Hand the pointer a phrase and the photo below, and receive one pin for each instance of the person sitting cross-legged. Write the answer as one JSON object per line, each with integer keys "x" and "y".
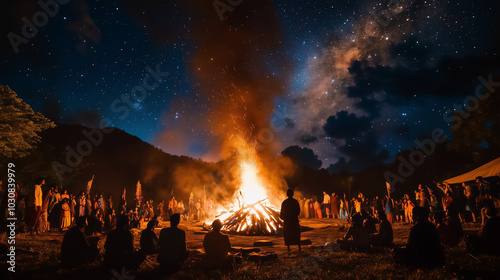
{"x": 120, "y": 247}
{"x": 488, "y": 241}
{"x": 357, "y": 237}
{"x": 217, "y": 247}
{"x": 149, "y": 240}
{"x": 424, "y": 248}
{"x": 384, "y": 237}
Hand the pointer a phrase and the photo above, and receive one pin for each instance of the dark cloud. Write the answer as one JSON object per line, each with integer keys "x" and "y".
{"x": 83, "y": 26}
{"x": 362, "y": 153}
{"x": 452, "y": 77}
{"x": 370, "y": 106}
{"x": 345, "y": 125}
{"x": 308, "y": 139}
{"x": 303, "y": 157}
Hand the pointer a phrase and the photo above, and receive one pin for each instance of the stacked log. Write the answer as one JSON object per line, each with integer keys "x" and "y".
{"x": 254, "y": 219}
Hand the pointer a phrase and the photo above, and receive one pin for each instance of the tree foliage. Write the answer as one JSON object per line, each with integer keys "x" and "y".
{"x": 477, "y": 130}
{"x": 19, "y": 125}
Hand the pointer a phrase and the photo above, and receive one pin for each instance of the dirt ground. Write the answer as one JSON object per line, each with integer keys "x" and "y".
{"x": 38, "y": 258}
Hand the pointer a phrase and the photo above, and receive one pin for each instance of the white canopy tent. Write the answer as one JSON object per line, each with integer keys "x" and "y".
{"x": 490, "y": 169}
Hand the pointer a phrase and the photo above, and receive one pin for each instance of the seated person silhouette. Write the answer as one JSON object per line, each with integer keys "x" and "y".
{"x": 172, "y": 246}
{"x": 217, "y": 246}
{"x": 149, "y": 240}
{"x": 488, "y": 241}
{"x": 120, "y": 247}
{"x": 385, "y": 236}
{"x": 447, "y": 236}
{"x": 453, "y": 220}
{"x": 357, "y": 237}
{"x": 369, "y": 222}
{"x": 423, "y": 249}
{"x": 75, "y": 249}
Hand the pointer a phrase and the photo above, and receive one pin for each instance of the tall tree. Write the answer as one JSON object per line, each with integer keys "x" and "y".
{"x": 19, "y": 125}
{"x": 476, "y": 130}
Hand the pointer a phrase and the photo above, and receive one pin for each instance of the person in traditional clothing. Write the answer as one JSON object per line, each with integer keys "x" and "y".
{"x": 34, "y": 207}
{"x": 75, "y": 249}
{"x": 65, "y": 215}
{"x": 44, "y": 222}
{"x": 335, "y": 205}
{"x": 307, "y": 211}
{"x": 389, "y": 209}
{"x": 172, "y": 246}
{"x": 81, "y": 204}
{"x": 423, "y": 249}
{"x": 290, "y": 211}
{"x": 326, "y": 205}
{"x": 317, "y": 208}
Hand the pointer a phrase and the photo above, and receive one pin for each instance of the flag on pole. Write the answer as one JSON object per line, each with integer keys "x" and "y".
{"x": 89, "y": 184}
{"x": 138, "y": 190}
{"x": 388, "y": 186}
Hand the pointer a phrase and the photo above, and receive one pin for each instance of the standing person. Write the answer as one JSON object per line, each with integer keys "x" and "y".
{"x": 72, "y": 206}
{"x": 81, "y": 204}
{"x": 389, "y": 209}
{"x": 198, "y": 210}
{"x": 34, "y": 207}
{"x": 290, "y": 211}
{"x": 108, "y": 212}
{"x": 326, "y": 205}
{"x": 335, "y": 206}
{"x": 44, "y": 223}
{"x": 317, "y": 207}
{"x": 357, "y": 205}
{"x": 471, "y": 200}
{"x": 123, "y": 203}
{"x": 65, "y": 215}
{"x": 306, "y": 208}
{"x": 172, "y": 246}
{"x": 191, "y": 205}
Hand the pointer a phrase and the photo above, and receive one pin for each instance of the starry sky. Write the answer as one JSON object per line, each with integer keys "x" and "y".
{"x": 351, "y": 83}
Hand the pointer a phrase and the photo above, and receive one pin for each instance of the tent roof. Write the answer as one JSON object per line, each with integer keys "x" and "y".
{"x": 490, "y": 169}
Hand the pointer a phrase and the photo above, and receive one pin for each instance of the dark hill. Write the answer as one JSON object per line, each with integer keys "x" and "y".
{"x": 116, "y": 159}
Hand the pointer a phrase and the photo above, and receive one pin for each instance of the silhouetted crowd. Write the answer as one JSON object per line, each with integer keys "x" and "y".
{"x": 437, "y": 223}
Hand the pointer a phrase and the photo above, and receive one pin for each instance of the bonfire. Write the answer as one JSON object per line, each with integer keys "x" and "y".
{"x": 252, "y": 212}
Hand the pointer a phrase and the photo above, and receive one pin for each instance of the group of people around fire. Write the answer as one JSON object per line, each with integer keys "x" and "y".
{"x": 437, "y": 224}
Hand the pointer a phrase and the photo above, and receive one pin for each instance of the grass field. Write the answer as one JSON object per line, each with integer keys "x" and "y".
{"x": 38, "y": 258}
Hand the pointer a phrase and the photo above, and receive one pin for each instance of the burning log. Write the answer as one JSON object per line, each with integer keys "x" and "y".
{"x": 254, "y": 219}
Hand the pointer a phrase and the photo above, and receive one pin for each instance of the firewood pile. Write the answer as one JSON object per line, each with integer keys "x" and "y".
{"x": 254, "y": 219}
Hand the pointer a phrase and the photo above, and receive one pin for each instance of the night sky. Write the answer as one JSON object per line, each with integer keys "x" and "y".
{"x": 359, "y": 80}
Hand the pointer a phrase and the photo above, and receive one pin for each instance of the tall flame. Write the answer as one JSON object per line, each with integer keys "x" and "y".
{"x": 252, "y": 183}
